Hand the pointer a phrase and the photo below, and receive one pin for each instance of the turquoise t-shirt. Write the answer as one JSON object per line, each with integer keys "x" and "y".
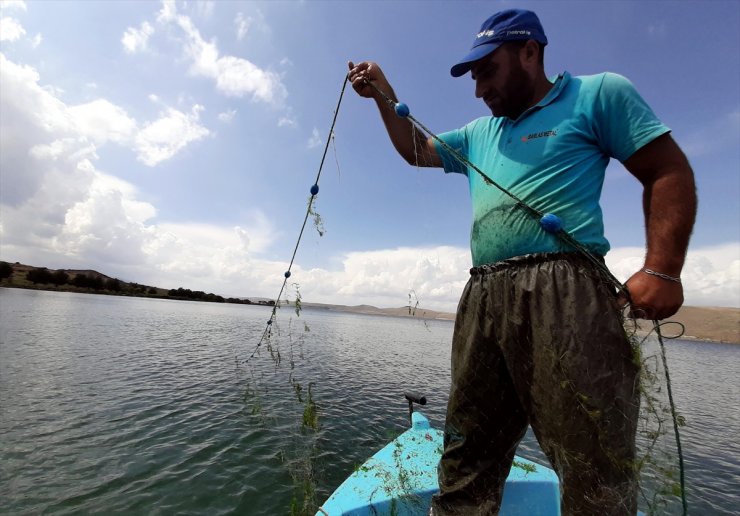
{"x": 553, "y": 157}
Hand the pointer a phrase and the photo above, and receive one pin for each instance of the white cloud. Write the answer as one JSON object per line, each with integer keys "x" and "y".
{"x": 314, "y": 140}
{"x": 711, "y": 275}
{"x": 234, "y": 76}
{"x": 52, "y": 199}
{"x": 438, "y": 275}
{"x": 135, "y": 40}
{"x": 161, "y": 139}
{"x": 222, "y": 260}
{"x": 168, "y": 11}
{"x": 435, "y": 274}
{"x": 30, "y": 116}
{"x": 242, "y": 24}
{"x": 286, "y": 121}
{"x": 107, "y": 224}
{"x": 72, "y": 149}
{"x": 248, "y": 23}
{"x": 212, "y": 258}
{"x": 97, "y": 122}
{"x": 227, "y": 116}
{"x": 10, "y": 5}
{"x": 58, "y": 209}
{"x": 10, "y": 29}
{"x": 204, "y": 8}
{"x": 102, "y": 121}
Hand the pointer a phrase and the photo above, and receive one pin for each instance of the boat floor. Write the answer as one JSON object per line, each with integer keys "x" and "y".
{"x": 401, "y": 479}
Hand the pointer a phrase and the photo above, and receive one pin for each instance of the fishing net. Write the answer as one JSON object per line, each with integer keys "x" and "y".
{"x": 659, "y": 456}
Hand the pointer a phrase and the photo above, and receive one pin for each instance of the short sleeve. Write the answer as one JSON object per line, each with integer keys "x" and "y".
{"x": 457, "y": 140}
{"x": 624, "y": 122}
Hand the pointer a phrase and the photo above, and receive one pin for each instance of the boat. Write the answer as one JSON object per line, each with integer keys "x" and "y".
{"x": 401, "y": 479}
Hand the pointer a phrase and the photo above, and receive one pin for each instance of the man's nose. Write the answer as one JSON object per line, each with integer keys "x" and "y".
{"x": 480, "y": 89}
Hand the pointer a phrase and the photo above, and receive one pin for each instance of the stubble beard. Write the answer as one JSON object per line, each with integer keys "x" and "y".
{"x": 519, "y": 92}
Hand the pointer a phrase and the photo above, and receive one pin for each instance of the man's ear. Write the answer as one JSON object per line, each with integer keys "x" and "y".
{"x": 531, "y": 52}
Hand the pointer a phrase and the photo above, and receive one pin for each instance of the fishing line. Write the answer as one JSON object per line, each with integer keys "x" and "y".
{"x": 314, "y": 191}
{"x": 552, "y": 224}
{"x": 674, "y": 415}
{"x": 336, "y": 158}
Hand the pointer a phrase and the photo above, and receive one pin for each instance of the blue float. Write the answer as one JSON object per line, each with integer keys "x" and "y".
{"x": 402, "y": 109}
{"x": 287, "y": 274}
{"x": 551, "y": 223}
{"x": 314, "y": 189}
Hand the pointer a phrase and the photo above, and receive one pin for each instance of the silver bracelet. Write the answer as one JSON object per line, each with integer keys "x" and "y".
{"x": 661, "y": 275}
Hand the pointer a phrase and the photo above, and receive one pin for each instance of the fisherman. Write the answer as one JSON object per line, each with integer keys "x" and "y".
{"x": 538, "y": 336}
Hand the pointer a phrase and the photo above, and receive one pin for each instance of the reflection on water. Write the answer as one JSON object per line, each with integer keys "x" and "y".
{"x": 136, "y": 405}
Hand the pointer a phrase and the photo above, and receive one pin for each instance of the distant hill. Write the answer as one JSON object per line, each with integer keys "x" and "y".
{"x": 20, "y": 269}
{"x": 88, "y": 281}
{"x": 716, "y": 324}
{"x": 403, "y": 311}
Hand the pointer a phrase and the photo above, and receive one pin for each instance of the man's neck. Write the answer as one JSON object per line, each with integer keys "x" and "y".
{"x": 541, "y": 88}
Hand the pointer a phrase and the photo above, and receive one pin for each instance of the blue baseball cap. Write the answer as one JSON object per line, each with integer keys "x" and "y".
{"x": 508, "y": 25}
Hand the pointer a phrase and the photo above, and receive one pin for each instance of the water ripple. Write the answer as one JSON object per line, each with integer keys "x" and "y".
{"x": 136, "y": 406}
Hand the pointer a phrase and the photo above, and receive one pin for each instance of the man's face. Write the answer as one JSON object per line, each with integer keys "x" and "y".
{"x": 502, "y": 83}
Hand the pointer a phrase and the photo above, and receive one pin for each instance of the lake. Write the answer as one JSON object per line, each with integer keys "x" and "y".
{"x": 130, "y": 405}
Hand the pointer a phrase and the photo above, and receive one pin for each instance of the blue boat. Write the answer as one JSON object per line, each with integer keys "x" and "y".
{"x": 401, "y": 479}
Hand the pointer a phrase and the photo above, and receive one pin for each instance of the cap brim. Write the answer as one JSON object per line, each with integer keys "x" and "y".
{"x": 475, "y": 54}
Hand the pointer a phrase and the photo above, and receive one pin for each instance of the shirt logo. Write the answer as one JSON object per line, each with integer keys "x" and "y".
{"x": 543, "y": 134}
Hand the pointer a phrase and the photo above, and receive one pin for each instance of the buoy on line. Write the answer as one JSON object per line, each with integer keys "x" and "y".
{"x": 551, "y": 223}
{"x": 402, "y": 109}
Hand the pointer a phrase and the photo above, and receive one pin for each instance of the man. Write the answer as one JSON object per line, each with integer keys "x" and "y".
{"x": 538, "y": 336}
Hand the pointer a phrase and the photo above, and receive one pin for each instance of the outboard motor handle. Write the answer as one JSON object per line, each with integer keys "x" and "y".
{"x": 414, "y": 397}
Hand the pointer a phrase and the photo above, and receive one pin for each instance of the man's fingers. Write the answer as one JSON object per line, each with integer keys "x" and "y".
{"x": 638, "y": 312}
{"x": 355, "y": 73}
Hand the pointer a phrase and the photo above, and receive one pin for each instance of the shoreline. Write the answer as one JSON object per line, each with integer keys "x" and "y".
{"x": 720, "y": 325}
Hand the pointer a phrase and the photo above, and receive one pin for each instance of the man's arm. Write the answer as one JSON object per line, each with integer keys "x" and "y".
{"x": 410, "y": 143}
{"x": 669, "y": 203}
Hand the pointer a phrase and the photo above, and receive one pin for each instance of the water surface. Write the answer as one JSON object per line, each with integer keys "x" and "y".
{"x": 113, "y": 404}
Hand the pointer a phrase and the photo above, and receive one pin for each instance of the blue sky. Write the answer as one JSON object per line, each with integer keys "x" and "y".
{"x": 174, "y": 143}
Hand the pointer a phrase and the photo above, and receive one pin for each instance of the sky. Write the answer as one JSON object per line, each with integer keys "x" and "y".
{"x": 175, "y": 143}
